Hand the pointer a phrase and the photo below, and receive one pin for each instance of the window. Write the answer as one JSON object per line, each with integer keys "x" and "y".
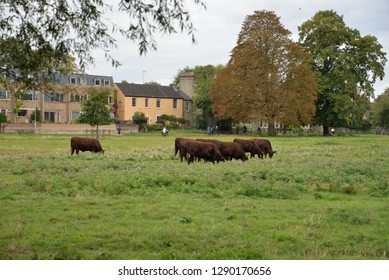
{"x": 107, "y": 83}
{"x": 73, "y": 80}
{"x": 78, "y": 97}
{"x": 147, "y": 103}
{"x": 49, "y": 117}
{"x": 187, "y": 106}
{"x": 54, "y": 97}
{"x": 74, "y": 115}
{"x": 174, "y": 103}
{"x": 110, "y": 99}
{"x": 158, "y": 103}
{"x": 22, "y": 113}
{"x": 4, "y": 95}
{"x": 97, "y": 82}
{"x": 133, "y": 102}
{"x": 30, "y": 96}
{"x": 83, "y": 81}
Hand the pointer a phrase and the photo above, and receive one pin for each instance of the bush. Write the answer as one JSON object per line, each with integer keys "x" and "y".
{"x": 38, "y": 116}
{"x": 3, "y": 118}
{"x": 155, "y": 126}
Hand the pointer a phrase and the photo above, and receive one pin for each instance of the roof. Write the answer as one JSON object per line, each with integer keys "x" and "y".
{"x": 83, "y": 79}
{"x": 151, "y": 91}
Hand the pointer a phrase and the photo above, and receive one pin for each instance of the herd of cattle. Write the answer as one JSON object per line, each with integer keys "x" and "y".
{"x": 207, "y": 149}
{"x": 214, "y": 150}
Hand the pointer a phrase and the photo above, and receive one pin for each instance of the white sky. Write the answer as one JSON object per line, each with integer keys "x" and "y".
{"x": 217, "y": 31}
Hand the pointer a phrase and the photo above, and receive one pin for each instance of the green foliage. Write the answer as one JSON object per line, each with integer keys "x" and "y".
{"x": 204, "y": 76}
{"x": 166, "y": 117}
{"x": 139, "y": 118}
{"x": 36, "y": 116}
{"x": 38, "y": 35}
{"x": 95, "y": 110}
{"x": 381, "y": 112}
{"x": 347, "y": 66}
{"x": 3, "y": 118}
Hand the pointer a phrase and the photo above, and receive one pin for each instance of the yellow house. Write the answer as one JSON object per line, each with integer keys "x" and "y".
{"x": 60, "y": 103}
{"x": 152, "y": 100}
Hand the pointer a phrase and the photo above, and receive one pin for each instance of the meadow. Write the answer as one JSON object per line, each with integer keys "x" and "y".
{"x": 317, "y": 198}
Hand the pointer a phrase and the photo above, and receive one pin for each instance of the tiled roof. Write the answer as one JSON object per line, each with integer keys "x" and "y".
{"x": 83, "y": 79}
{"x": 151, "y": 91}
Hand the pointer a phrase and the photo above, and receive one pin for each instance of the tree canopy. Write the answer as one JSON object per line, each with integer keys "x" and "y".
{"x": 37, "y": 35}
{"x": 267, "y": 77}
{"x": 347, "y": 66}
{"x": 381, "y": 110}
{"x": 95, "y": 110}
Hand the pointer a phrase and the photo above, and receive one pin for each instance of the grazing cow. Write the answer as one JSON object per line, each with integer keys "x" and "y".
{"x": 181, "y": 146}
{"x": 216, "y": 142}
{"x": 203, "y": 150}
{"x": 230, "y": 150}
{"x": 249, "y": 146}
{"x": 265, "y": 147}
{"x": 85, "y": 144}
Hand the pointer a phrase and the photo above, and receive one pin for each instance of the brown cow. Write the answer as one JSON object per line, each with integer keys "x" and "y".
{"x": 85, "y": 144}
{"x": 180, "y": 144}
{"x": 203, "y": 150}
{"x": 265, "y": 147}
{"x": 232, "y": 150}
{"x": 218, "y": 143}
{"x": 249, "y": 146}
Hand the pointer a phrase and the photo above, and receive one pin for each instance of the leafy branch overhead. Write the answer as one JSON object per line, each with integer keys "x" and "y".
{"x": 36, "y": 33}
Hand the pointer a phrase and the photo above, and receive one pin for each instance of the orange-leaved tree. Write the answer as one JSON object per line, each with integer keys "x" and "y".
{"x": 267, "y": 77}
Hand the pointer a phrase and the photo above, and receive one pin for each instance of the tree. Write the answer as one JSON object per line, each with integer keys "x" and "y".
{"x": 3, "y": 119}
{"x": 347, "y": 66}
{"x": 36, "y": 116}
{"x": 95, "y": 110}
{"x": 381, "y": 110}
{"x": 204, "y": 75}
{"x": 267, "y": 77}
{"x": 140, "y": 119}
{"x": 37, "y": 35}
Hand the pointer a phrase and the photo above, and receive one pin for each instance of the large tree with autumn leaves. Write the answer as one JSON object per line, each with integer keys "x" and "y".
{"x": 267, "y": 77}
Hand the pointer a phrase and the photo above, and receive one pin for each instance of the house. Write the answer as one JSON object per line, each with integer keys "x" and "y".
{"x": 60, "y": 103}
{"x": 153, "y": 100}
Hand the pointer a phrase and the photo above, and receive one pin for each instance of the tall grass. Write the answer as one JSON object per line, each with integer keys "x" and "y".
{"x": 318, "y": 198}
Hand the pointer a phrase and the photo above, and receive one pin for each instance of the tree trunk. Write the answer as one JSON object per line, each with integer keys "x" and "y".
{"x": 326, "y": 130}
{"x": 271, "y": 129}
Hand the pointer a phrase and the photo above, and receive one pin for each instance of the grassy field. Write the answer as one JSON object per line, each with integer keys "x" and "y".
{"x": 318, "y": 198}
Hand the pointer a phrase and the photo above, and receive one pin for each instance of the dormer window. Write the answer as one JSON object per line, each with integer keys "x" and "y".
{"x": 83, "y": 81}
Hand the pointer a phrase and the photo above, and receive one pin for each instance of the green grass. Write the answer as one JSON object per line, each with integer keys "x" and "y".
{"x": 318, "y": 198}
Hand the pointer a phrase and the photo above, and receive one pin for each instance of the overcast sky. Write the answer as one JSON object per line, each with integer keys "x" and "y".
{"x": 217, "y": 31}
